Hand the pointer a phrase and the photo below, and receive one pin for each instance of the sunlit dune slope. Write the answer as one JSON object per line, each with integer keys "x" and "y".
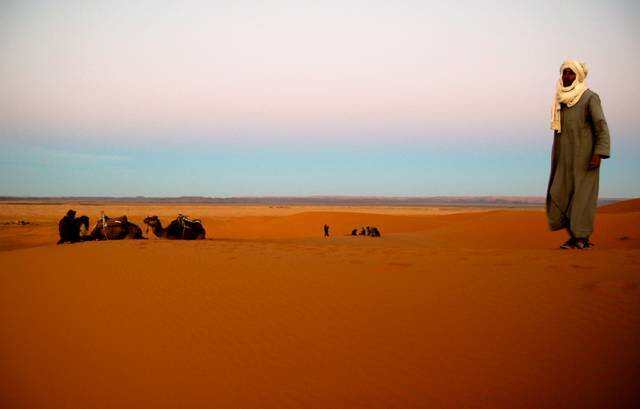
{"x": 625, "y": 206}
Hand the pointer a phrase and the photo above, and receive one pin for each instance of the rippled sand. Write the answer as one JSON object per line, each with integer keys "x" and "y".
{"x": 451, "y": 308}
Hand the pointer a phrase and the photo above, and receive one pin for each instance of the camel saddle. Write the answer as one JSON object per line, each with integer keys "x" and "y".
{"x": 188, "y": 222}
{"x": 114, "y": 221}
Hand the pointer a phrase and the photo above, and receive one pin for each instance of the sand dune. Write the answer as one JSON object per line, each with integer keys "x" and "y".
{"x": 626, "y": 206}
{"x": 469, "y": 309}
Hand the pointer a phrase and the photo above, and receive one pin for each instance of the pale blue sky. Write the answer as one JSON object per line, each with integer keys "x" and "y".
{"x": 298, "y": 98}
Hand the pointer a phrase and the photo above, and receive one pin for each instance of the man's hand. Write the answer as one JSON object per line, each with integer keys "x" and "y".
{"x": 594, "y": 163}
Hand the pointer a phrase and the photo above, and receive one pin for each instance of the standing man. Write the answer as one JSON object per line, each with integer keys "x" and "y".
{"x": 326, "y": 230}
{"x": 580, "y": 142}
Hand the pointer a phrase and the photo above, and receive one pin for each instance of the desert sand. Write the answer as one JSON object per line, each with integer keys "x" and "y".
{"x": 450, "y": 308}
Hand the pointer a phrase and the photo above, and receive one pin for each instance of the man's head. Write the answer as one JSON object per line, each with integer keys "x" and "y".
{"x": 568, "y": 76}
{"x": 572, "y": 71}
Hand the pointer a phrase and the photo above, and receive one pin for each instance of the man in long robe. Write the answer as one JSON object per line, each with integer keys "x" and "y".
{"x": 68, "y": 228}
{"x": 581, "y": 141}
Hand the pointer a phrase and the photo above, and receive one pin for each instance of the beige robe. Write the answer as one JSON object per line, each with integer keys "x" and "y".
{"x": 572, "y": 193}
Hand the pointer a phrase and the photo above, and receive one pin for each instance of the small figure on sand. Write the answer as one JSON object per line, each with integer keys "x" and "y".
{"x": 326, "y": 230}
{"x": 354, "y": 232}
{"x": 581, "y": 140}
{"x": 362, "y": 232}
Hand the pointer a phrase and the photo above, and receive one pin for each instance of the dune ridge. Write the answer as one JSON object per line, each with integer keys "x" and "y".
{"x": 625, "y": 206}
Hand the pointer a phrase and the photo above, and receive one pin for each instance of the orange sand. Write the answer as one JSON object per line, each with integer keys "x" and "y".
{"x": 449, "y": 309}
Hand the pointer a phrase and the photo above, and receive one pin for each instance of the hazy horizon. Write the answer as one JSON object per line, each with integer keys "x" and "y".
{"x": 281, "y": 98}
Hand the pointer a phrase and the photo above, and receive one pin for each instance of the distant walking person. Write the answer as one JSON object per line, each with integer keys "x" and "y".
{"x": 326, "y": 230}
{"x": 580, "y": 142}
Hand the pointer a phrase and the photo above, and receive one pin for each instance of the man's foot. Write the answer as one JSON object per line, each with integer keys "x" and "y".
{"x": 583, "y": 244}
{"x": 569, "y": 244}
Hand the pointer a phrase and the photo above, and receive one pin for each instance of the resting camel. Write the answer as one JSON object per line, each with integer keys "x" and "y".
{"x": 69, "y": 227}
{"x": 182, "y": 228}
{"x": 116, "y": 228}
{"x": 368, "y": 231}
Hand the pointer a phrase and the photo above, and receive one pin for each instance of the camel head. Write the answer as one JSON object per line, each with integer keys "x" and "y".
{"x": 152, "y": 221}
{"x": 84, "y": 223}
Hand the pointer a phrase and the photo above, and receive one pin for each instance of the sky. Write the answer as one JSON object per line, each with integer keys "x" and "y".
{"x": 237, "y": 98}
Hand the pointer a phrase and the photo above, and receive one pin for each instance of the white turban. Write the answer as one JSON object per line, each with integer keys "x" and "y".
{"x": 568, "y": 95}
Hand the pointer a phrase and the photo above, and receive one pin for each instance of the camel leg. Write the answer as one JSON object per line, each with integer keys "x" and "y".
{"x": 134, "y": 235}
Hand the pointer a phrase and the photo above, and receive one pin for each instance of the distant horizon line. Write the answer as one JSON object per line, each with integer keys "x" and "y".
{"x": 526, "y": 200}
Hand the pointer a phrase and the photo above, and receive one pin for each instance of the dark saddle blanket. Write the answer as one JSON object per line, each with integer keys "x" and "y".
{"x": 113, "y": 221}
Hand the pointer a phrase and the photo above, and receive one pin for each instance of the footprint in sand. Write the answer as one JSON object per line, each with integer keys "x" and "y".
{"x": 612, "y": 286}
{"x": 398, "y": 265}
{"x": 582, "y": 267}
{"x": 590, "y": 286}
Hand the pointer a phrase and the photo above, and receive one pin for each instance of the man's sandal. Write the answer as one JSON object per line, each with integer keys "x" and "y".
{"x": 569, "y": 244}
{"x": 583, "y": 244}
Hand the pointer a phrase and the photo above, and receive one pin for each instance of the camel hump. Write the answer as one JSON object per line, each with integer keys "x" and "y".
{"x": 188, "y": 228}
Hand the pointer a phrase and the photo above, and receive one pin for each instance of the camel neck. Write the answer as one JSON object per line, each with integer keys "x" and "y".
{"x": 158, "y": 230}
